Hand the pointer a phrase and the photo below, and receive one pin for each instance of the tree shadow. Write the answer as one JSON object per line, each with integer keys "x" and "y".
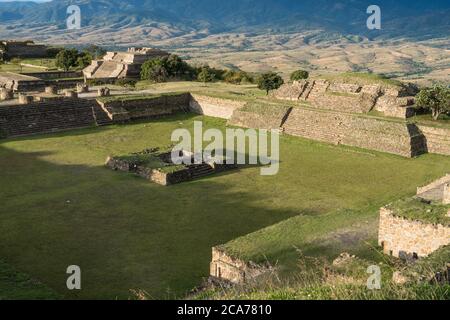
{"x": 124, "y": 232}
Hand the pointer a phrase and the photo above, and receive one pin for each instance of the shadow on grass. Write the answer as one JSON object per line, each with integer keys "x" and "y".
{"x": 124, "y": 232}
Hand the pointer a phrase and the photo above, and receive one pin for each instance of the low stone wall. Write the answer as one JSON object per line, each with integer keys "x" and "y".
{"x": 152, "y": 175}
{"x": 434, "y": 184}
{"x": 152, "y": 107}
{"x": 254, "y": 120}
{"x": 438, "y": 139}
{"x": 352, "y": 130}
{"x": 237, "y": 271}
{"x": 400, "y": 237}
{"x": 214, "y": 107}
{"x": 50, "y": 116}
{"x": 353, "y": 98}
{"x": 52, "y": 75}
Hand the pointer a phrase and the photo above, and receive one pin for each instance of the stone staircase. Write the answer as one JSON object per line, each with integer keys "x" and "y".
{"x": 107, "y": 70}
{"x": 200, "y": 170}
{"x": 50, "y": 116}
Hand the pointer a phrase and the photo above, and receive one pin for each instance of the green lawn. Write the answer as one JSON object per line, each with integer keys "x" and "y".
{"x": 15, "y": 286}
{"x": 61, "y": 206}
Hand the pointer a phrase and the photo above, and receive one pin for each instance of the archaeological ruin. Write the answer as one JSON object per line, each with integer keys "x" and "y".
{"x": 157, "y": 166}
{"x": 21, "y": 49}
{"x": 115, "y": 65}
{"x": 415, "y": 228}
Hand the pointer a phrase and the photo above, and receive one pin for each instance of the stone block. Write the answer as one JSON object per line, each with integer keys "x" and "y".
{"x": 6, "y": 94}
{"x": 51, "y": 90}
{"x": 25, "y": 99}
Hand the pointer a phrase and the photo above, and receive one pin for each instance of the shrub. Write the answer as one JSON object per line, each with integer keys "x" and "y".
{"x": 270, "y": 81}
{"x": 206, "y": 75}
{"x": 161, "y": 69}
{"x": 237, "y": 77}
{"x": 66, "y": 59}
{"x": 299, "y": 75}
{"x": 437, "y": 99}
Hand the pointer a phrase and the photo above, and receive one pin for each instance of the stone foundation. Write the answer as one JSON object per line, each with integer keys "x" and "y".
{"x": 352, "y": 130}
{"x": 345, "y": 97}
{"x": 6, "y": 94}
{"x": 50, "y": 116}
{"x": 438, "y": 139}
{"x": 237, "y": 271}
{"x": 153, "y": 107}
{"x": 400, "y": 237}
{"x": 214, "y": 107}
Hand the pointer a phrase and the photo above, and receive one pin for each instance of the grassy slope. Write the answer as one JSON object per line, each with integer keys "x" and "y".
{"x": 15, "y": 285}
{"x": 60, "y": 206}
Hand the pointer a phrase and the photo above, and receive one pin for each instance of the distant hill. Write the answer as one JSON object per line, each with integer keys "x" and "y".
{"x": 401, "y": 18}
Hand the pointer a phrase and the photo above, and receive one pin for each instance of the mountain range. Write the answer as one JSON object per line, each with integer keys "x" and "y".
{"x": 255, "y": 35}
{"x": 400, "y": 18}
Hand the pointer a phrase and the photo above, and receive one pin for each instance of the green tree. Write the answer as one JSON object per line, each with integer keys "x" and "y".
{"x": 436, "y": 98}
{"x": 206, "y": 74}
{"x": 84, "y": 59}
{"x": 299, "y": 75}
{"x": 237, "y": 77}
{"x": 155, "y": 70}
{"x": 270, "y": 81}
{"x": 66, "y": 59}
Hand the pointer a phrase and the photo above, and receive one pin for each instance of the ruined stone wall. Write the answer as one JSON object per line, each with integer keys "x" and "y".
{"x": 352, "y": 130}
{"x": 214, "y": 107}
{"x": 52, "y": 75}
{"x": 225, "y": 267}
{"x": 269, "y": 121}
{"x": 345, "y": 97}
{"x": 146, "y": 108}
{"x": 434, "y": 184}
{"x": 438, "y": 139}
{"x": 25, "y": 50}
{"x": 401, "y": 237}
{"x": 49, "y": 116}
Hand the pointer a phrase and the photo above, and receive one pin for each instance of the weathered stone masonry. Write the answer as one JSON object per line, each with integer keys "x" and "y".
{"x": 214, "y": 107}
{"x": 401, "y": 237}
{"x": 225, "y": 267}
{"x": 352, "y": 130}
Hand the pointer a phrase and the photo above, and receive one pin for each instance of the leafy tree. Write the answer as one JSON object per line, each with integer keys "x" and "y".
{"x": 84, "y": 59}
{"x": 270, "y": 81}
{"x": 66, "y": 59}
{"x": 155, "y": 70}
{"x": 299, "y": 75}
{"x": 237, "y": 77}
{"x": 53, "y": 52}
{"x": 206, "y": 74}
{"x": 163, "y": 68}
{"x": 436, "y": 98}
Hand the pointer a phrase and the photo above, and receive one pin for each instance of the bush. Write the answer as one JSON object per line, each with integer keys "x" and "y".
{"x": 237, "y": 77}
{"x": 66, "y": 59}
{"x": 270, "y": 81}
{"x": 437, "y": 99}
{"x": 206, "y": 75}
{"x": 299, "y": 75}
{"x": 52, "y": 52}
{"x": 161, "y": 69}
